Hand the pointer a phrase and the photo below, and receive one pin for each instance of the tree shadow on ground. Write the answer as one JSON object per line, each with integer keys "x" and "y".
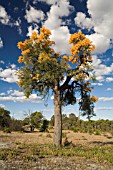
{"x": 102, "y": 143}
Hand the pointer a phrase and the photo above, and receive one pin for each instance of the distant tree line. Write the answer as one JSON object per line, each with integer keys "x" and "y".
{"x": 36, "y": 121}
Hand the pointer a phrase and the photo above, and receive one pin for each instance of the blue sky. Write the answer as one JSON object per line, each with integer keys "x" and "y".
{"x": 18, "y": 19}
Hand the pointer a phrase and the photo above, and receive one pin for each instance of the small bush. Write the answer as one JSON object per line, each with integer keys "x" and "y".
{"x": 48, "y": 136}
{"x": 64, "y": 135}
{"x": 74, "y": 129}
{"x": 97, "y": 132}
{"x": 91, "y": 131}
{"x": 67, "y": 143}
{"x": 6, "y": 130}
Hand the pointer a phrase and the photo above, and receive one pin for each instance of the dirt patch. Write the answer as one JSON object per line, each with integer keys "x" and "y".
{"x": 54, "y": 163}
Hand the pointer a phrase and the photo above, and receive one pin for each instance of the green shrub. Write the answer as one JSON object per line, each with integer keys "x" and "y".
{"x": 6, "y": 130}
{"x": 64, "y": 135}
{"x": 74, "y": 129}
{"x": 67, "y": 143}
{"x": 48, "y": 136}
{"x": 97, "y": 132}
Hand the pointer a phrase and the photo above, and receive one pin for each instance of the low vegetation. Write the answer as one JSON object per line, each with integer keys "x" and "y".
{"x": 33, "y": 151}
{"x": 89, "y": 140}
{"x": 33, "y": 146}
{"x": 36, "y": 121}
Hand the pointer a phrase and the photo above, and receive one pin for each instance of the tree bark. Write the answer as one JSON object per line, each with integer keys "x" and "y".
{"x": 57, "y": 119}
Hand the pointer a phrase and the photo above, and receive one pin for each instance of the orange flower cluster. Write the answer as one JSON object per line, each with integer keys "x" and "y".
{"x": 89, "y": 58}
{"x": 36, "y": 77}
{"x": 40, "y": 38}
{"x": 95, "y": 99}
{"x": 43, "y": 57}
{"x": 45, "y": 31}
{"x": 38, "y": 43}
{"x": 70, "y": 58}
{"x": 20, "y": 59}
{"x": 20, "y": 82}
{"x": 81, "y": 77}
{"x": 88, "y": 89}
{"x": 76, "y": 37}
{"x": 74, "y": 50}
{"x": 88, "y": 83}
{"x": 80, "y": 42}
{"x": 34, "y": 35}
{"x": 85, "y": 44}
{"x": 73, "y": 59}
{"x": 25, "y": 52}
{"x": 68, "y": 66}
{"x": 21, "y": 45}
{"x": 54, "y": 59}
{"x": 66, "y": 58}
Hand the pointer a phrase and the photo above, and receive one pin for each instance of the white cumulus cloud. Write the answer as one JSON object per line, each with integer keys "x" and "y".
{"x": 31, "y": 29}
{"x": 104, "y": 108}
{"x": 9, "y": 74}
{"x": 109, "y": 89}
{"x": 34, "y": 15}
{"x": 100, "y": 70}
{"x": 102, "y": 13}
{"x": 1, "y": 43}
{"x": 101, "y": 42}
{"x": 61, "y": 9}
{"x": 2, "y": 62}
{"x": 109, "y": 79}
{"x": 61, "y": 38}
{"x": 4, "y": 17}
{"x": 54, "y": 22}
{"x": 50, "y": 2}
{"x": 17, "y": 96}
{"x": 106, "y": 99}
{"x": 82, "y": 21}
{"x": 2, "y": 105}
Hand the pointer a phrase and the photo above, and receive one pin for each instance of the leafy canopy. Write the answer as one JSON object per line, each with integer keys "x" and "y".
{"x": 45, "y": 69}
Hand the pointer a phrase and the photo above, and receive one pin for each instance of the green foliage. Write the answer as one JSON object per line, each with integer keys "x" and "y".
{"x": 44, "y": 69}
{"x": 25, "y": 121}
{"x": 72, "y": 122}
{"x": 44, "y": 127}
{"x": 16, "y": 125}
{"x": 51, "y": 122}
{"x": 67, "y": 143}
{"x": 5, "y": 118}
{"x": 97, "y": 132}
{"x": 101, "y": 154}
{"x": 36, "y": 119}
{"x": 87, "y": 106}
{"x": 64, "y": 135}
{"x": 48, "y": 135}
{"x": 6, "y": 130}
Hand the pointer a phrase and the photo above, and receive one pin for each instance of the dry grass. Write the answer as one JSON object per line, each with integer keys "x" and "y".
{"x": 27, "y": 138}
{"x": 34, "y": 150}
{"x": 46, "y": 138}
{"x": 87, "y": 139}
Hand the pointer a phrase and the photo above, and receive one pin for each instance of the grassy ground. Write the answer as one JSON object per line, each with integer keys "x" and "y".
{"x": 36, "y": 150}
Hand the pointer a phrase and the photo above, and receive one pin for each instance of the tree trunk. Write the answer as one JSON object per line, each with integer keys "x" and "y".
{"x": 57, "y": 119}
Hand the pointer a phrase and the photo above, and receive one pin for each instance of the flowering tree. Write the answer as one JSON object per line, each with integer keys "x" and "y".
{"x": 44, "y": 69}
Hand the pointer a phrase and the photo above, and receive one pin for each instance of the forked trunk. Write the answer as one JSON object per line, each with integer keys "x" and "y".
{"x": 58, "y": 119}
